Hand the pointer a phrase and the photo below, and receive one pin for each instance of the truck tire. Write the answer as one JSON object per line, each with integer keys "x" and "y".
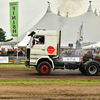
{"x": 44, "y": 68}
{"x": 36, "y": 68}
{"x": 92, "y": 69}
{"x": 82, "y": 71}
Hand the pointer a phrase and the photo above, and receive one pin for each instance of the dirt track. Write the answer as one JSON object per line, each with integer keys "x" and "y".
{"x": 47, "y": 91}
{"x": 26, "y": 73}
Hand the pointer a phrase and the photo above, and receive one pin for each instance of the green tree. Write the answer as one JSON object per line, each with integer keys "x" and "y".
{"x": 3, "y": 37}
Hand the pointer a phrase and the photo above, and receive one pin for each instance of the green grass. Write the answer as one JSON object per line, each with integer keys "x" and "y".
{"x": 4, "y": 66}
{"x": 49, "y": 81}
{"x": 12, "y": 66}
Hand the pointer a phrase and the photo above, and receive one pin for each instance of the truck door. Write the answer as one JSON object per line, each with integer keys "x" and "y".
{"x": 37, "y": 48}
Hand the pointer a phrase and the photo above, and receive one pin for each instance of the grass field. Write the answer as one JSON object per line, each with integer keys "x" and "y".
{"x": 49, "y": 81}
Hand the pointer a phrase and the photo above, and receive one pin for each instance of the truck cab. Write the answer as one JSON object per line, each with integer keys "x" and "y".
{"x": 41, "y": 47}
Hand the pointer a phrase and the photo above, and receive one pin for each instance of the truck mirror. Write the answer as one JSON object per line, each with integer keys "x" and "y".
{"x": 33, "y": 41}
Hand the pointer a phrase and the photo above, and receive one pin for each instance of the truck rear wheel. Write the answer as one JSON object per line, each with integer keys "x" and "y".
{"x": 44, "y": 68}
{"x": 82, "y": 70}
{"x": 92, "y": 69}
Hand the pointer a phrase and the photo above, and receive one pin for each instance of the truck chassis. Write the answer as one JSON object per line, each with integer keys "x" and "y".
{"x": 88, "y": 66}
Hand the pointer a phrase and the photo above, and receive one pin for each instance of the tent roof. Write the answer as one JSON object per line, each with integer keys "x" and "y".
{"x": 91, "y": 30}
{"x": 96, "y": 44}
{"x": 70, "y": 25}
{"x": 93, "y": 46}
{"x": 24, "y": 42}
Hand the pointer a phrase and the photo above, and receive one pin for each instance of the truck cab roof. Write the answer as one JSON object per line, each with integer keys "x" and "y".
{"x": 43, "y": 32}
{"x": 46, "y": 32}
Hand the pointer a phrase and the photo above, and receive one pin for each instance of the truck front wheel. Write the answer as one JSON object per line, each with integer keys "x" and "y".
{"x": 44, "y": 68}
{"x": 92, "y": 69}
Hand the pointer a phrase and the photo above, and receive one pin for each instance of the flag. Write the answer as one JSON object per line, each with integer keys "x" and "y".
{"x": 14, "y": 18}
{"x": 78, "y": 45}
{"x": 81, "y": 33}
{"x": 80, "y": 38}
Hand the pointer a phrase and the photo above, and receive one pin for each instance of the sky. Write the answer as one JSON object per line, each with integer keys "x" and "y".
{"x": 31, "y": 11}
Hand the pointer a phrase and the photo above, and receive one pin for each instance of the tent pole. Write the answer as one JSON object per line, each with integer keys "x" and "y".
{"x": 17, "y": 47}
{"x": 18, "y": 28}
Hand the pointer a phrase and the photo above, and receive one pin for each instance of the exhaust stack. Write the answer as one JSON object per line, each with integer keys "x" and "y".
{"x": 59, "y": 44}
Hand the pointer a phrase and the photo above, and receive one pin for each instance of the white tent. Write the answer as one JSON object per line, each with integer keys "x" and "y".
{"x": 92, "y": 46}
{"x": 24, "y": 42}
{"x": 88, "y": 47}
{"x": 70, "y": 25}
{"x": 96, "y": 45}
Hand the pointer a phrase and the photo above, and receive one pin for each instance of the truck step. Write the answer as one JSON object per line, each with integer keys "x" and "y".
{"x": 58, "y": 67}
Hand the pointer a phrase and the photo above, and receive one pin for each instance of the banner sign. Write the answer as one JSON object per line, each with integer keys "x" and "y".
{"x": 14, "y": 18}
{"x": 3, "y": 59}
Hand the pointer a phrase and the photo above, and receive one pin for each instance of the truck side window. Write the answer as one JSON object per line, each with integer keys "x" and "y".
{"x": 39, "y": 39}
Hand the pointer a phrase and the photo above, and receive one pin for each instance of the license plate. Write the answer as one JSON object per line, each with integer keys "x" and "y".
{"x": 74, "y": 59}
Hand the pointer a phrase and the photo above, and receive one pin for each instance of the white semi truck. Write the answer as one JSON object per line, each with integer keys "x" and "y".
{"x": 43, "y": 53}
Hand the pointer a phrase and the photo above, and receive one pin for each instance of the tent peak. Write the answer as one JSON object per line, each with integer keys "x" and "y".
{"x": 90, "y": 7}
{"x": 67, "y": 14}
{"x": 58, "y": 12}
{"x": 95, "y": 12}
{"x": 49, "y": 8}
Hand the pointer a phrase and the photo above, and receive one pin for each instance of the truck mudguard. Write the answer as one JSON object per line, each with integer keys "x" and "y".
{"x": 46, "y": 57}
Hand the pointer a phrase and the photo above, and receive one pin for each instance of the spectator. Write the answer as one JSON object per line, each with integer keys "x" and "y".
{"x": 89, "y": 54}
{"x": 69, "y": 53}
{"x": 23, "y": 52}
{"x": 12, "y": 51}
{"x": 65, "y": 53}
{"x": 97, "y": 51}
{"x": 9, "y": 52}
{"x": 1, "y": 50}
{"x": 73, "y": 53}
{"x": 61, "y": 52}
{"x": 20, "y": 53}
{"x": 0, "y": 53}
{"x": 95, "y": 54}
{"x": 85, "y": 52}
{"x": 4, "y": 52}
{"x": 15, "y": 52}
